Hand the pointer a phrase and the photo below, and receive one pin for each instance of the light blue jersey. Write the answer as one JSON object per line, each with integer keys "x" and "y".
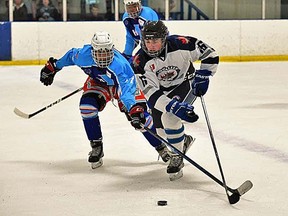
{"x": 134, "y": 26}
{"x": 119, "y": 73}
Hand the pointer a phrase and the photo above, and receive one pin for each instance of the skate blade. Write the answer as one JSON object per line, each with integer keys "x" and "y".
{"x": 189, "y": 146}
{"x": 175, "y": 176}
{"x": 97, "y": 164}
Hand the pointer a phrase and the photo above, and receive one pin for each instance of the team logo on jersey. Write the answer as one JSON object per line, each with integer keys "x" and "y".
{"x": 167, "y": 73}
{"x": 152, "y": 67}
{"x": 183, "y": 40}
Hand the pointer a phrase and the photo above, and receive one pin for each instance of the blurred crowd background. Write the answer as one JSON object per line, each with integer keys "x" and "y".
{"x": 111, "y": 10}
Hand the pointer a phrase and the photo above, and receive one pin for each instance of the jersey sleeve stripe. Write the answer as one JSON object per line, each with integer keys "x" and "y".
{"x": 211, "y": 60}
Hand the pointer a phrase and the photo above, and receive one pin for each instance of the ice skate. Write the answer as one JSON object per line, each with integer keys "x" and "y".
{"x": 175, "y": 166}
{"x": 95, "y": 156}
{"x": 163, "y": 152}
{"x": 188, "y": 141}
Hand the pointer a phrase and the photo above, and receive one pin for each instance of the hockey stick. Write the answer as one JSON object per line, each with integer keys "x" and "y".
{"x": 236, "y": 193}
{"x": 232, "y": 199}
{"x": 27, "y": 116}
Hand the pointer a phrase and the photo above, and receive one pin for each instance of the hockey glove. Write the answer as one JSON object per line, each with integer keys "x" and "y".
{"x": 201, "y": 82}
{"x": 48, "y": 72}
{"x": 137, "y": 116}
{"x": 182, "y": 110}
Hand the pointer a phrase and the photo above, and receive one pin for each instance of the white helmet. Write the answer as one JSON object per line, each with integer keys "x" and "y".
{"x": 102, "y": 49}
{"x": 136, "y": 8}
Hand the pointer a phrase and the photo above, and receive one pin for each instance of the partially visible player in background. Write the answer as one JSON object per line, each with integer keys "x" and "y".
{"x": 134, "y": 18}
{"x": 166, "y": 75}
{"x": 110, "y": 77}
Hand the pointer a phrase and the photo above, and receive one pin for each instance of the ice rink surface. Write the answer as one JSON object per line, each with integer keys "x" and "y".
{"x": 43, "y": 160}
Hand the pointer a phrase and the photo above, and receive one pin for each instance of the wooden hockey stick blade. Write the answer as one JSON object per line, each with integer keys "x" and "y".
{"x": 21, "y": 114}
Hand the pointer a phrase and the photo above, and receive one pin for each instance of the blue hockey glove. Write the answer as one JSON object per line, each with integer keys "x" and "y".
{"x": 137, "y": 116}
{"x": 48, "y": 72}
{"x": 201, "y": 82}
{"x": 182, "y": 110}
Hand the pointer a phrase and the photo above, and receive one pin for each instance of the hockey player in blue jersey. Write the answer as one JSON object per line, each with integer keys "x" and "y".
{"x": 165, "y": 73}
{"x": 134, "y": 18}
{"x": 110, "y": 77}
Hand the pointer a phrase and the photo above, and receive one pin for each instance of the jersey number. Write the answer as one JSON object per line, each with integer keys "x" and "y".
{"x": 143, "y": 80}
{"x": 202, "y": 46}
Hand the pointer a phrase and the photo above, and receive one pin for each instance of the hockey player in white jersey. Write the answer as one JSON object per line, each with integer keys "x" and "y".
{"x": 134, "y": 18}
{"x": 170, "y": 83}
{"x": 110, "y": 77}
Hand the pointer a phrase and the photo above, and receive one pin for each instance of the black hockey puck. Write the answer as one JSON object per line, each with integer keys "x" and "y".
{"x": 162, "y": 203}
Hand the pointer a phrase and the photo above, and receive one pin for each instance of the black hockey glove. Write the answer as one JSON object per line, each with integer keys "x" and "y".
{"x": 137, "y": 116}
{"x": 182, "y": 110}
{"x": 48, "y": 72}
{"x": 201, "y": 82}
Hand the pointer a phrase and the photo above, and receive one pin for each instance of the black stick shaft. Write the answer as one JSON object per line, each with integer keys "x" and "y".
{"x": 190, "y": 160}
{"x": 214, "y": 144}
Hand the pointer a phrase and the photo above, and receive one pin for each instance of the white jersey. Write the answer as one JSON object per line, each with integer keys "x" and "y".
{"x": 158, "y": 76}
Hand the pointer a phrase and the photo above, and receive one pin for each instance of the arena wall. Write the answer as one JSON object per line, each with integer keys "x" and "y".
{"x": 241, "y": 40}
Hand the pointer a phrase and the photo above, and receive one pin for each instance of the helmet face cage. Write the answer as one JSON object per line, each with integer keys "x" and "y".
{"x": 136, "y": 11}
{"x": 102, "y": 49}
{"x": 154, "y": 30}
